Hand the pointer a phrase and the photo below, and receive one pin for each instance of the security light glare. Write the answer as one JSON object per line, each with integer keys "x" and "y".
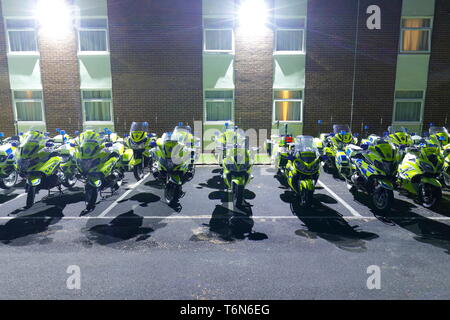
{"x": 253, "y": 14}
{"x": 54, "y": 17}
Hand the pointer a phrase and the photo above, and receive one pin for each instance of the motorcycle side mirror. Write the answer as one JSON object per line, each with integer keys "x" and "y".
{"x": 49, "y": 144}
{"x": 73, "y": 145}
{"x": 153, "y": 144}
{"x": 14, "y": 144}
{"x": 108, "y": 144}
{"x": 365, "y": 146}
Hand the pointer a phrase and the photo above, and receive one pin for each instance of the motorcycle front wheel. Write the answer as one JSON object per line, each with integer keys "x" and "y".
{"x": 382, "y": 199}
{"x": 138, "y": 171}
{"x": 429, "y": 195}
{"x": 172, "y": 193}
{"x": 69, "y": 182}
{"x": 238, "y": 194}
{"x": 10, "y": 181}
{"x": 305, "y": 198}
{"x": 31, "y": 195}
{"x": 90, "y": 196}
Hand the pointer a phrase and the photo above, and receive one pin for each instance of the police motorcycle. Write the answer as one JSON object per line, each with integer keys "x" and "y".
{"x": 336, "y": 159}
{"x": 303, "y": 168}
{"x": 8, "y": 164}
{"x": 374, "y": 168}
{"x": 173, "y": 163}
{"x": 419, "y": 172}
{"x": 278, "y": 148}
{"x": 141, "y": 141}
{"x": 39, "y": 163}
{"x": 97, "y": 160}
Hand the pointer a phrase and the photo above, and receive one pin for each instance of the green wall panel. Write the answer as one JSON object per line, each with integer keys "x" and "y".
{"x": 289, "y": 71}
{"x": 412, "y": 71}
{"x": 92, "y": 7}
{"x": 218, "y": 71}
{"x": 290, "y": 8}
{"x": 218, "y": 7}
{"x": 24, "y": 72}
{"x": 95, "y": 72}
{"x": 18, "y": 8}
{"x": 418, "y": 8}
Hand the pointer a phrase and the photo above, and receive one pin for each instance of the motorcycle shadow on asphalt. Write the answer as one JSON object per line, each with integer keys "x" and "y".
{"x": 229, "y": 221}
{"x": 424, "y": 230}
{"x": 32, "y": 225}
{"x": 125, "y": 227}
{"x": 323, "y": 222}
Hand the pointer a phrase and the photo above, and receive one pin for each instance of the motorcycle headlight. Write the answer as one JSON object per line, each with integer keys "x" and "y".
{"x": 167, "y": 163}
{"x": 303, "y": 168}
{"x": 426, "y": 167}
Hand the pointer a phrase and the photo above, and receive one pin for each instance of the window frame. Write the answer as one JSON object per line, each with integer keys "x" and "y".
{"x": 15, "y": 100}
{"x": 275, "y": 100}
{"x": 8, "y": 42}
{"x": 106, "y": 29}
{"x": 293, "y": 52}
{"x": 111, "y": 108}
{"x": 422, "y": 107}
{"x": 205, "y": 100}
{"x": 218, "y": 51}
{"x": 429, "y": 29}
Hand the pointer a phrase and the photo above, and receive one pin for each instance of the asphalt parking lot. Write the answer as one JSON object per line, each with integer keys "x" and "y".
{"x": 134, "y": 246}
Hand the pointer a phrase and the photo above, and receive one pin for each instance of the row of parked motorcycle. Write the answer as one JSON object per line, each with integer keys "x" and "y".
{"x": 98, "y": 159}
{"x": 375, "y": 165}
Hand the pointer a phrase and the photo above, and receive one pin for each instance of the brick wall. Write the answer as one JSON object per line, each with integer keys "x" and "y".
{"x": 156, "y": 59}
{"x": 6, "y": 110}
{"x": 254, "y": 76}
{"x": 330, "y": 43}
{"x": 60, "y": 79}
{"x": 437, "y": 104}
{"x": 376, "y": 67}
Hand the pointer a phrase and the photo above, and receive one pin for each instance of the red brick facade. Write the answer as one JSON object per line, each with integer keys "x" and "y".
{"x": 60, "y": 80}
{"x": 330, "y": 45}
{"x": 6, "y": 110}
{"x": 253, "y": 67}
{"x": 156, "y": 60}
{"x": 437, "y": 103}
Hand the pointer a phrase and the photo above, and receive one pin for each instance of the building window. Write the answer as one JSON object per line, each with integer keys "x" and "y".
{"x": 28, "y": 105}
{"x": 408, "y": 106}
{"x": 218, "y": 35}
{"x": 93, "y": 35}
{"x": 289, "y": 35}
{"x": 219, "y": 105}
{"x": 287, "y": 105}
{"x": 416, "y": 35}
{"x": 21, "y": 35}
{"x": 97, "y": 105}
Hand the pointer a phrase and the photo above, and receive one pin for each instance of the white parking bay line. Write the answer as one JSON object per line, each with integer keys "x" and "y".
{"x": 115, "y": 203}
{"x": 19, "y": 196}
{"x": 345, "y": 204}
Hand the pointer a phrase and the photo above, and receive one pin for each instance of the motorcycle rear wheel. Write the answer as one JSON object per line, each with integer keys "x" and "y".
{"x": 10, "y": 181}
{"x": 382, "y": 199}
{"x": 429, "y": 195}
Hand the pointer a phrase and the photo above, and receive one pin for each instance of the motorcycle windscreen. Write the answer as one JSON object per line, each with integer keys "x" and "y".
{"x": 338, "y": 128}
